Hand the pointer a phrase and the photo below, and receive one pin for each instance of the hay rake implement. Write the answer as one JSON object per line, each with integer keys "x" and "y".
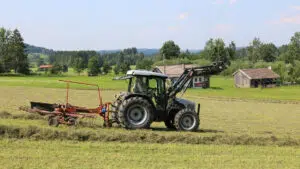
{"x": 67, "y": 113}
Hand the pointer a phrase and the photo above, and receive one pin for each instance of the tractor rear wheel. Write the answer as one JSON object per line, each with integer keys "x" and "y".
{"x": 186, "y": 120}
{"x": 135, "y": 113}
{"x": 115, "y": 109}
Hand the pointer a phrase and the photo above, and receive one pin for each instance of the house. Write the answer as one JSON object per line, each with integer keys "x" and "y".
{"x": 174, "y": 72}
{"x": 45, "y": 67}
{"x": 253, "y": 78}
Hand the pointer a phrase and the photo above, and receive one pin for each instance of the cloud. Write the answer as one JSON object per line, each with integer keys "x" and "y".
{"x": 296, "y": 8}
{"x": 290, "y": 19}
{"x": 183, "y": 16}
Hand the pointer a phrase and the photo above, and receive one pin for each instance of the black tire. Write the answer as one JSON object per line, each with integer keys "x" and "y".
{"x": 53, "y": 121}
{"x": 186, "y": 120}
{"x": 135, "y": 113}
{"x": 115, "y": 110}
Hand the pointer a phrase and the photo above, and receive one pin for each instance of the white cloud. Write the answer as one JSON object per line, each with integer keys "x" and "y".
{"x": 183, "y": 16}
{"x": 291, "y": 19}
{"x": 296, "y": 8}
{"x": 287, "y": 20}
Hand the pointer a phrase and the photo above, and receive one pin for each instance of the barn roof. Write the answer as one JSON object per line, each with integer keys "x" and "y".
{"x": 174, "y": 70}
{"x": 45, "y": 66}
{"x": 261, "y": 73}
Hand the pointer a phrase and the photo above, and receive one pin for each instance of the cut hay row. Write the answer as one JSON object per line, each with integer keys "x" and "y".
{"x": 146, "y": 136}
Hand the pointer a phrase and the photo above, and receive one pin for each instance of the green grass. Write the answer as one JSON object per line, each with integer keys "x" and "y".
{"x": 69, "y": 154}
{"x": 104, "y": 82}
{"x": 224, "y": 87}
{"x": 221, "y": 87}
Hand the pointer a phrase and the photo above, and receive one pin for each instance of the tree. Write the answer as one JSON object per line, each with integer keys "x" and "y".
{"x": 1, "y": 67}
{"x": 170, "y": 50}
{"x": 293, "y": 52}
{"x": 17, "y": 51}
{"x": 185, "y": 54}
{"x": 231, "y": 49}
{"x": 294, "y": 72}
{"x": 40, "y": 61}
{"x": 215, "y": 50}
{"x": 65, "y": 68}
{"x": 93, "y": 67}
{"x": 124, "y": 67}
{"x": 117, "y": 69}
{"x": 56, "y": 69}
{"x": 269, "y": 52}
{"x": 106, "y": 67}
{"x": 145, "y": 64}
{"x": 78, "y": 65}
{"x": 253, "y": 50}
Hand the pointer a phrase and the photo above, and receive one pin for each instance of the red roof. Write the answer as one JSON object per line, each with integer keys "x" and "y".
{"x": 261, "y": 73}
{"x": 45, "y": 66}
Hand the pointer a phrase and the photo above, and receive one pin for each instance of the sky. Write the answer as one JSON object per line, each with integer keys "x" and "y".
{"x": 119, "y": 24}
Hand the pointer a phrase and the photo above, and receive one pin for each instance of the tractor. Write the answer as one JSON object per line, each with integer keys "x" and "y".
{"x": 150, "y": 98}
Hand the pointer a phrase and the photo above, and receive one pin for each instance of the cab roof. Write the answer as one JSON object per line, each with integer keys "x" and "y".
{"x": 145, "y": 73}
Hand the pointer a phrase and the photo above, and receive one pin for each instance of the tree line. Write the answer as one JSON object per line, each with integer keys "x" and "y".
{"x": 96, "y": 62}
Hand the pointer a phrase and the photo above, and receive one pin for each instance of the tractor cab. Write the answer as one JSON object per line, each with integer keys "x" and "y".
{"x": 150, "y": 85}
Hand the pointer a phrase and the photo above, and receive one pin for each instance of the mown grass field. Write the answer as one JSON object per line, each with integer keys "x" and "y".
{"x": 251, "y": 132}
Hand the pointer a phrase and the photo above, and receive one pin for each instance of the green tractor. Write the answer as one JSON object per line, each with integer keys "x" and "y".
{"x": 150, "y": 99}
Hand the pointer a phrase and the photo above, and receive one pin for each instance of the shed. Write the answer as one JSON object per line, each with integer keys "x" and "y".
{"x": 253, "y": 78}
{"x": 174, "y": 72}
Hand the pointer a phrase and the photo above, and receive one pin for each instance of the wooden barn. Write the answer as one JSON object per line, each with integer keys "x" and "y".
{"x": 174, "y": 71}
{"x": 253, "y": 78}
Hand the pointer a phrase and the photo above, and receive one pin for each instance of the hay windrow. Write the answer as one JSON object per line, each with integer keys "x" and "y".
{"x": 38, "y": 133}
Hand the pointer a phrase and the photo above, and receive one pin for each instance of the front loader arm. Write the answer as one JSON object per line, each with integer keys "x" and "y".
{"x": 189, "y": 73}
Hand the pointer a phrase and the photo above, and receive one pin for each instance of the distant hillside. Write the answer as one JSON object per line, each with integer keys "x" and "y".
{"x": 35, "y": 49}
{"x": 146, "y": 51}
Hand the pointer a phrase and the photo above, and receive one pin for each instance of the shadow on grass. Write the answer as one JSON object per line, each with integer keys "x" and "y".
{"x": 198, "y": 131}
{"x": 216, "y": 88}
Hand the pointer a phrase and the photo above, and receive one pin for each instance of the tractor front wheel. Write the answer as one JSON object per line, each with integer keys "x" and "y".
{"x": 186, "y": 120}
{"x": 135, "y": 113}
